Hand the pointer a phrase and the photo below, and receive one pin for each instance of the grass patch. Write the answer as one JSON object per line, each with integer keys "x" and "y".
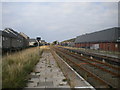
{"x": 16, "y": 67}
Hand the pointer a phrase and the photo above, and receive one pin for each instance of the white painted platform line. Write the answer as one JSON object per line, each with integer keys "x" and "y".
{"x": 86, "y": 87}
{"x": 82, "y": 79}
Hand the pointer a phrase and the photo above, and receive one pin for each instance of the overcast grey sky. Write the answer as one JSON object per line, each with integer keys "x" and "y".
{"x": 59, "y": 20}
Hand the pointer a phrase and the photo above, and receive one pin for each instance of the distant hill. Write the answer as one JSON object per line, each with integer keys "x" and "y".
{"x": 70, "y": 40}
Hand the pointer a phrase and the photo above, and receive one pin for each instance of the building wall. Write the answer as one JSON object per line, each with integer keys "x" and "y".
{"x": 6, "y": 42}
{"x": 31, "y": 43}
{"x": 107, "y": 46}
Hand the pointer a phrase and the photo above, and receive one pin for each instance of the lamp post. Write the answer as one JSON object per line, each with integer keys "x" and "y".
{"x": 38, "y": 40}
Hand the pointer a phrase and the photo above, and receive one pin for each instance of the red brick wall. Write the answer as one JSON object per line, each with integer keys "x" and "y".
{"x": 108, "y": 46}
{"x": 119, "y": 47}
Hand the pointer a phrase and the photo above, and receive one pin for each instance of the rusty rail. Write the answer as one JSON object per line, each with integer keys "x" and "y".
{"x": 113, "y": 73}
{"x": 113, "y": 67}
{"x": 91, "y": 74}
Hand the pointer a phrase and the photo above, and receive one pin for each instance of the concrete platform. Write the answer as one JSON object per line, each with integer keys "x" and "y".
{"x": 75, "y": 80}
{"x": 47, "y": 74}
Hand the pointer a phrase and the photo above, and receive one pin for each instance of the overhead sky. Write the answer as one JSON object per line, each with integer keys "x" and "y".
{"x": 59, "y": 20}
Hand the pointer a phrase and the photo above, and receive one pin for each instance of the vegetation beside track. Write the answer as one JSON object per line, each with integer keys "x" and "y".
{"x": 16, "y": 67}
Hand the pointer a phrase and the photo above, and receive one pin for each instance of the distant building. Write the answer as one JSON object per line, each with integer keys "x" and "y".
{"x": 69, "y": 42}
{"x": 26, "y": 40}
{"x": 108, "y": 40}
{"x": 43, "y": 42}
{"x": 32, "y": 42}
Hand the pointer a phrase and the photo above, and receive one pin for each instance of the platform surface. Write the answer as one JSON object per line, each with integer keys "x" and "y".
{"x": 47, "y": 74}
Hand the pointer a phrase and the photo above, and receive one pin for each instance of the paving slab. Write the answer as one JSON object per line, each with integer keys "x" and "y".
{"x": 47, "y": 74}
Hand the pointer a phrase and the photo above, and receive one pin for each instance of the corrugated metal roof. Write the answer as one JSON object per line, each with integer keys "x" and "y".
{"x": 108, "y": 35}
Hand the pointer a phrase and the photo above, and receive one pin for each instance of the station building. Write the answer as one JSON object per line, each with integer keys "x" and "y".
{"x": 108, "y": 40}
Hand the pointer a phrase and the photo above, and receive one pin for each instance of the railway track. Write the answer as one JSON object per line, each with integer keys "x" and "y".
{"x": 99, "y": 74}
{"x": 111, "y": 60}
{"x": 94, "y": 62}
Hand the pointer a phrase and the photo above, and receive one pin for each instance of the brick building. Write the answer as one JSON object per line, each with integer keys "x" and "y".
{"x": 108, "y": 40}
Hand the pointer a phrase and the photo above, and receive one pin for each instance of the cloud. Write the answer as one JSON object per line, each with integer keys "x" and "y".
{"x": 59, "y": 21}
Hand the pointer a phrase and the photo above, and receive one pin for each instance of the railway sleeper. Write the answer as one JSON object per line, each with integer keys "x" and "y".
{"x": 90, "y": 78}
{"x": 107, "y": 59}
{"x": 99, "y": 79}
{"x": 105, "y": 64}
{"x": 97, "y": 66}
{"x": 102, "y": 68}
